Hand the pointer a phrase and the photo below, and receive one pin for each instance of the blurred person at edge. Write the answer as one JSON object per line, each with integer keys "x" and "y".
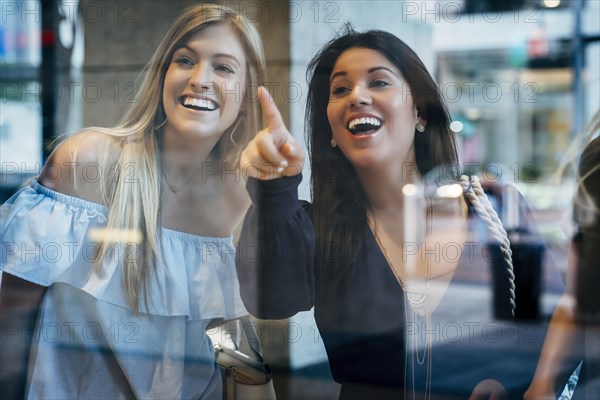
{"x": 376, "y": 124}
{"x": 124, "y": 305}
{"x": 574, "y": 332}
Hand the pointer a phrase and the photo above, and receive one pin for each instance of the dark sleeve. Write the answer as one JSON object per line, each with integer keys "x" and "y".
{"x": 275, "y": 253}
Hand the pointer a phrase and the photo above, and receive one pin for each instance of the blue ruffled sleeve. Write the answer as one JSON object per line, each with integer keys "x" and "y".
{"x": 47, "y": 237}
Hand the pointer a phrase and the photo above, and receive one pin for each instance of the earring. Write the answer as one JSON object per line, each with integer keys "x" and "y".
{"x": 160, "y": 125}
{"x": 333, "y": 143}
{"x": 234, "y": 130}
{"x": 419, "y": 126}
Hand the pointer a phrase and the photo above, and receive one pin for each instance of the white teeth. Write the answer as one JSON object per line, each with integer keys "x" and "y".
{"x": 202, "y": 103}
{"x": 367, "y": 120}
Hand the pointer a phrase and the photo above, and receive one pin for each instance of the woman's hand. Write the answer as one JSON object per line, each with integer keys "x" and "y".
{"x": 274, "y": 152}
{"x": 489, "y": 389}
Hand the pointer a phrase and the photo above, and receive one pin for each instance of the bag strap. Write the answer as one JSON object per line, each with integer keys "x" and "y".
{"x": 241, "y": 336}
{"x": 247, "y": 327}
{"x": 484, "y": 209}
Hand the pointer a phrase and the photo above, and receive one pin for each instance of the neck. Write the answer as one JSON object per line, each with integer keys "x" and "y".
{"x": 383, "y": 184}
{"x": 184, "y": 161}
{"x": 180, "y": 156}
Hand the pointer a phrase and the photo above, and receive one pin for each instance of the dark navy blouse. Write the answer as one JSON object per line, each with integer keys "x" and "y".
{"x": 362, "y": 320}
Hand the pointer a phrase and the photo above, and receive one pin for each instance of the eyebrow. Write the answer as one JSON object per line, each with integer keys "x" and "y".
{"x": 216, "y": 55}
{"x": 369, "y": 71}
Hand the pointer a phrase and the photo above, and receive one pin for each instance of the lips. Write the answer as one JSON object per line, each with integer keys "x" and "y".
{"x": 200, "y": 104}
{"x": 364, "y": 125}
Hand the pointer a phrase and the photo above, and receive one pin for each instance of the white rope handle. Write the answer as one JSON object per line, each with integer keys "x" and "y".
{"x": 475, "y": 194}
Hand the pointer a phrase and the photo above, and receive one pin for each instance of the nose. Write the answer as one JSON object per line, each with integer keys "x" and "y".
{"x": 359, "y": 96}
{"x": 201, "y": 78}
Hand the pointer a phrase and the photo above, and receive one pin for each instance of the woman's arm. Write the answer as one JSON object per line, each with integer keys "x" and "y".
{"x": 562, "y": 340}
{"x": 72, "y": 169}
{"x": 19, "y": 305}
{"x": 275, "y": 253}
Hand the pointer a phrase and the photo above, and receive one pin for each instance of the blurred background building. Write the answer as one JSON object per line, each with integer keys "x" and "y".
{"x": 520, "y": 78}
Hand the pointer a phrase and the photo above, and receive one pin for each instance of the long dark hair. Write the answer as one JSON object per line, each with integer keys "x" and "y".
{"x": 339, "y": 201}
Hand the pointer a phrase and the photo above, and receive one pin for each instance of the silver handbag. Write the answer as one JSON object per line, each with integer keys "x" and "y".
{"x": 238, "y": 353}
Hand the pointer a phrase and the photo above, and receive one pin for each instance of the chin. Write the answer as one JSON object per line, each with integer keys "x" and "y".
{"x": 364, "y": 160}
{"x": 193, "y": 131}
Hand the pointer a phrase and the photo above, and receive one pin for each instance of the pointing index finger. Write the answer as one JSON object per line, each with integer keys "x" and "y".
{"x": 272, "y": 114}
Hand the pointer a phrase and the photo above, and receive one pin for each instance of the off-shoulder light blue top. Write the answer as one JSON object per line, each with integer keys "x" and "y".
{"x": 88, "y": 342}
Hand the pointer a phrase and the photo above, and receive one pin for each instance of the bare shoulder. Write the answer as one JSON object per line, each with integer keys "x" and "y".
{"x": 80, "y": 166}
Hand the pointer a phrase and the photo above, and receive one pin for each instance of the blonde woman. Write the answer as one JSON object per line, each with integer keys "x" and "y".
{"x": 134, "y": 230}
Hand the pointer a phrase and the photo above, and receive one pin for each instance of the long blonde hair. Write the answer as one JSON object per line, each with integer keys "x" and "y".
{"x": 580, "y": 159}
{"x": 134, "y": 198}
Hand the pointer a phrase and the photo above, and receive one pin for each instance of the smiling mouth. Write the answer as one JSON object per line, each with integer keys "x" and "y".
{"x": 364, "y": 126}
{"x": 198, "y": 104}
